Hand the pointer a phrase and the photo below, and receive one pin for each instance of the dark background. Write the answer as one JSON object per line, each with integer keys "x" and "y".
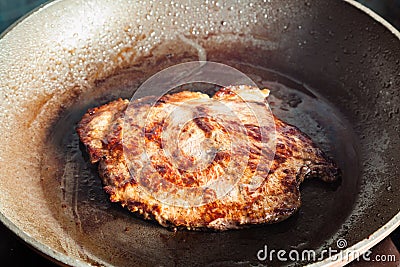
{"x": 13, "y": 252}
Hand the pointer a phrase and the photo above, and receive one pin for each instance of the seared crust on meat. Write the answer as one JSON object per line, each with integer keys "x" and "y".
{"x": 119, "y": 144}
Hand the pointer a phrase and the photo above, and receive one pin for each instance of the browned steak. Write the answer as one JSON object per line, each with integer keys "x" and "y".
{"x": 178, "y": 164}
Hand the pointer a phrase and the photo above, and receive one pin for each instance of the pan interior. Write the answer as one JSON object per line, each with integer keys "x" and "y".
{"x": 107, "y": 229}
{"x": 324, "y": 78}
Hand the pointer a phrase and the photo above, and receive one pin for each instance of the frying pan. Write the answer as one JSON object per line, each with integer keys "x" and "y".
{"x": 333, "y": 68}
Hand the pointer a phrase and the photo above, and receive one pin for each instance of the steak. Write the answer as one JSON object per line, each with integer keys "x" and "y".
{"x": 192, "y": 161}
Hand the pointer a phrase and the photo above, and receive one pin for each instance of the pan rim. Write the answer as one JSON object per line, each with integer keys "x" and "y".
{"x": 54, "y": 256}
{"x": 375, "y": 16}
{"x": 335, "y": 260}
{"x": 364, "y": 245}
{"x": 28, "y": 14}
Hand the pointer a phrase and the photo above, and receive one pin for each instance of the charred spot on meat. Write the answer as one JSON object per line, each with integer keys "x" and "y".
{"x": 203, "y": 152}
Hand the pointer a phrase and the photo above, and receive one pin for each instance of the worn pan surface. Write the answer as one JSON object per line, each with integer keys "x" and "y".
{"x": 334, "y": 71}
